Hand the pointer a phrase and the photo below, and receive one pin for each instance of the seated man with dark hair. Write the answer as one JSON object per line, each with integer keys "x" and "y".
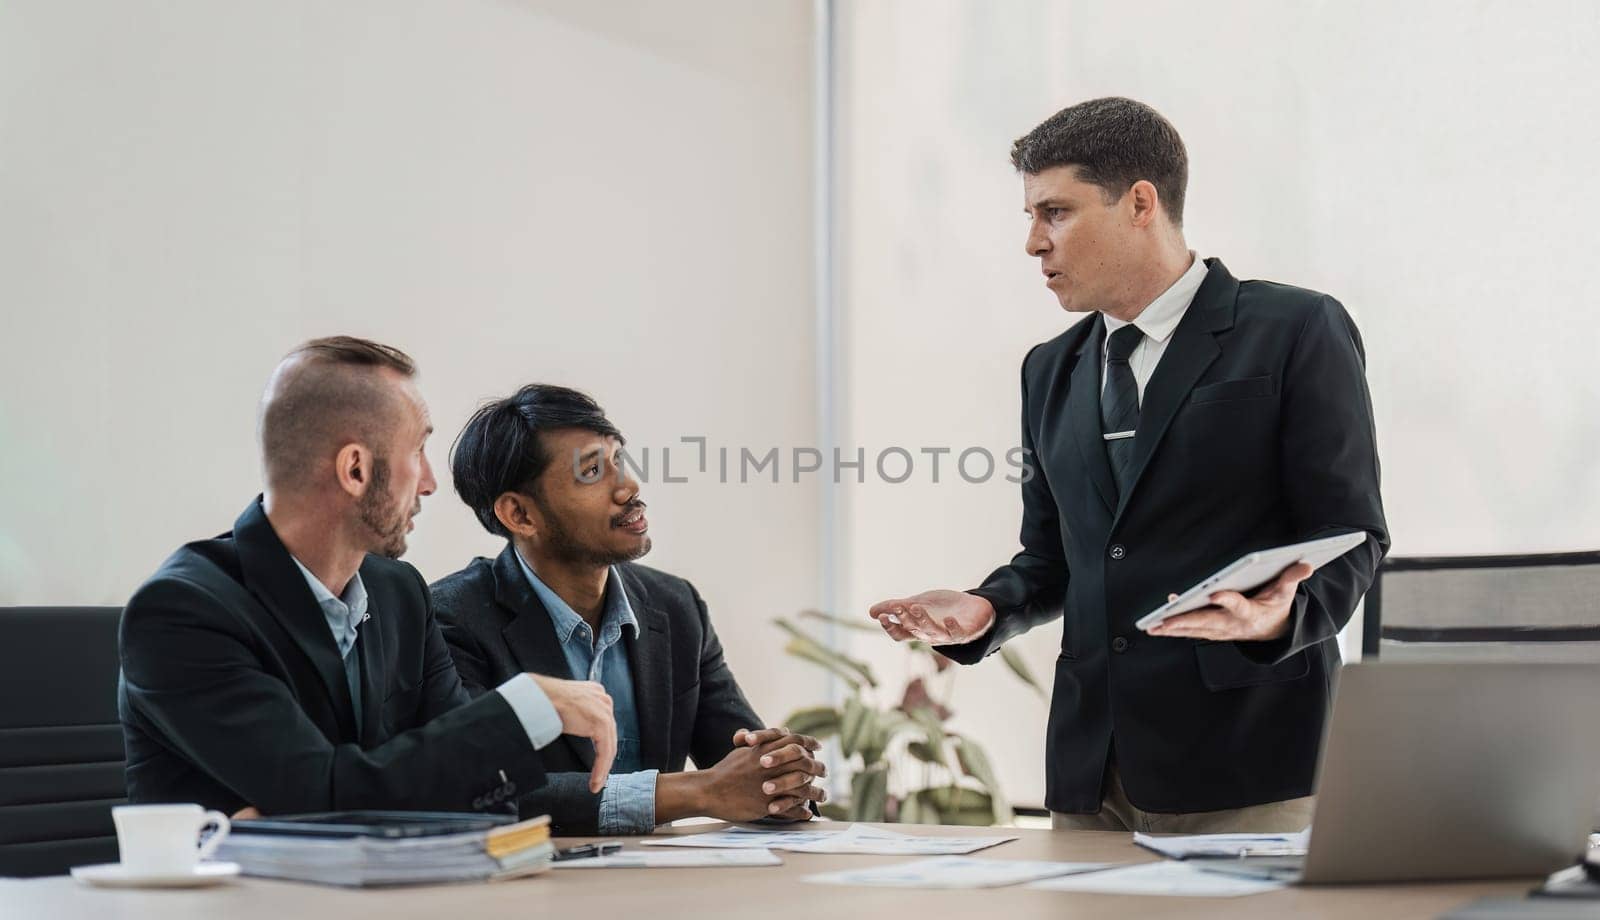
{"x": 293, "y": 665}
{"x": 565, "y": 598}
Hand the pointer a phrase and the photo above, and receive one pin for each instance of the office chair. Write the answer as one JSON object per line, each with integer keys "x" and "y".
{"x": 1541, "y": 607}
{"x": 61, "y": 754}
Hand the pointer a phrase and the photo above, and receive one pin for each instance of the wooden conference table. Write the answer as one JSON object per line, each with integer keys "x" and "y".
{"x": 761, "y": 893}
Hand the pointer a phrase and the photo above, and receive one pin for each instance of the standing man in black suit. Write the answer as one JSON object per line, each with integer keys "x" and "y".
{"x": 540, "y": 469}
{"x": 293, "y": 665}
{"x": 1189, "y": 419}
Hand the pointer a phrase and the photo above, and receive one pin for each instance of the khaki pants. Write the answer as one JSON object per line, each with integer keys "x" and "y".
{"x": 1118, "y": 814}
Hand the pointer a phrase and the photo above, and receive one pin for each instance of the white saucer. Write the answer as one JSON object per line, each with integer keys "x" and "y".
{"x": 116, "y": 875}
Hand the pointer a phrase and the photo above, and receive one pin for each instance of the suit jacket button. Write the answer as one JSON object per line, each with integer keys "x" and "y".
{"x": 1118, "y": 551}
{"x": 1119, "y": 645}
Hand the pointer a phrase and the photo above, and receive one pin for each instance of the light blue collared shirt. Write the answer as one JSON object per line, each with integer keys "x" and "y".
{"x": 347, "y": 612}
{"x": 344, "y": 613}
{"x": 628, "y": 804}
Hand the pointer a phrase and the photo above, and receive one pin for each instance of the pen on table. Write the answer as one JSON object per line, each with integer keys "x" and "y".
{"x": 584, "y": 851}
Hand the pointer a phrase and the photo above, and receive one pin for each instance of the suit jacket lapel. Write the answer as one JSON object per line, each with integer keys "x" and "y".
{"x": 371, "y": 644}
{"x": 650, "y": 656}
{"x": 1193, "y": 348}
{"x": 531, "y": 635}
{"x": 271, "y": 575}
{"x": 1083, "y": 414}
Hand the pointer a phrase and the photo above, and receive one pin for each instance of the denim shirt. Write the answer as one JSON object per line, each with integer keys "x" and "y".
{"x": 628, "y": 803}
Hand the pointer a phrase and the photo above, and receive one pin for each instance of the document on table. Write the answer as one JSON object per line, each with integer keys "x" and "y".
{"x": 858, "y": 839}
{"x": 745, "y": 838}
{"x": 953, "y": 872}
{"x": 1159, "y": 878}
{"x": 693, "y": 859}
{"x": 1230, "y": 846}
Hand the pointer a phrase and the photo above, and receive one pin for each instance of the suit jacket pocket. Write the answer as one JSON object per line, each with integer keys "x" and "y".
{"x": 1243, "y": 388}
{"x": 1224, "y": 667}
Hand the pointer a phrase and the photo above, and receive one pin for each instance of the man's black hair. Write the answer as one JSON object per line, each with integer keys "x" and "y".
{"x": 1113, "y": 142}
{"x": 500, "y": 450}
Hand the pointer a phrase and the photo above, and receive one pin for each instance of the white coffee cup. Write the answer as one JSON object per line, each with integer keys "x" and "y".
{"x": 164, "y": 839}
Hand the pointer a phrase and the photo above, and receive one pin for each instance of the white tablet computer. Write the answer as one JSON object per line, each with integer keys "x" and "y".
{"x": 1253, "y": 570}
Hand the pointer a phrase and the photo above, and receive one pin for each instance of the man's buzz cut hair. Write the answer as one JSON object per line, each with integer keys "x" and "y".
{"x": 326, "y": 393}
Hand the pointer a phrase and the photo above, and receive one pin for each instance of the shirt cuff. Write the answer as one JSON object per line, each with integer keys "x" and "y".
{"x": 534, "y": 710}
{"x": 628, "y": 803}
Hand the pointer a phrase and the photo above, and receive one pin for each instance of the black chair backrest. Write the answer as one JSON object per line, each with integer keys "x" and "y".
{"x": 61, "y": 754}
{"x": 1541, "y": 607}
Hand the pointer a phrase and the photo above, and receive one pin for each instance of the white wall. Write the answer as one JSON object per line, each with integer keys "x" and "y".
{"x": 613, "y": 197}
{"x": 1431, "y": 164}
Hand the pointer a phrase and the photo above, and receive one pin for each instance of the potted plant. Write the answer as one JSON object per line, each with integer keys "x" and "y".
{"x": 907, "y": 766}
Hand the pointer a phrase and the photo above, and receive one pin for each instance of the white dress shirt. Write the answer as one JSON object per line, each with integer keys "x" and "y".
{"x": 1157, "y": 322}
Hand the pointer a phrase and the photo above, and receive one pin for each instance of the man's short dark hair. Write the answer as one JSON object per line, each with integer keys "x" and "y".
{"x": 326, "y": 393}
{"x": 1114, "y": 142}
{"x": 500, "y": 450}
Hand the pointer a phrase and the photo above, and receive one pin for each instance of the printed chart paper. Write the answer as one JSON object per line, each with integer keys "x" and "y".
{"x": 953, "y": 872}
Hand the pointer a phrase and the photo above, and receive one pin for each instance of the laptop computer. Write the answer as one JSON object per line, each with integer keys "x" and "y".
{"x": 1450, "y": 771}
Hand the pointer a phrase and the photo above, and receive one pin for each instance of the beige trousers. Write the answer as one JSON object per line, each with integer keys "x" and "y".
{"x": 1118, "y": 814}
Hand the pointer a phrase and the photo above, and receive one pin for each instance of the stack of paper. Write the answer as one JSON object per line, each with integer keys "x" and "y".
{"x": 692, "y": 859}
{"x": 504, "y": 852}
{"x": 953, "y": 872}
{"x": 1230, "y": 846}
{"x": 1159, "y": 878}
{"x": 858, "y": 839}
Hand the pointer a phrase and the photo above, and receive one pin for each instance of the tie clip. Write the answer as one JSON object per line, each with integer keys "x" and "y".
{"x": 1118, "y": 435}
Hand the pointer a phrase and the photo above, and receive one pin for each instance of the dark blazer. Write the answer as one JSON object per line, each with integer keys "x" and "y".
{"x": 1255, "y": 430}
{"x": 233, "y": 692}
{"x": 688, "y": 702}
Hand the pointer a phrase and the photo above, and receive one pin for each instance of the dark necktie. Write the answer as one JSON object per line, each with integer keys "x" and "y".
{"x": 1119, "y": 405}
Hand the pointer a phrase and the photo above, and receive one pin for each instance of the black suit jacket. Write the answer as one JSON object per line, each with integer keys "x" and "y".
{"x": 1255, "y": 430}
{"x": 688, "y": 702}
{"x": 233, "y": 692}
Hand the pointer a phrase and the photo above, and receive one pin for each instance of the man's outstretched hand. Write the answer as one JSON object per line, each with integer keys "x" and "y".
{"x": 935, "y": 617}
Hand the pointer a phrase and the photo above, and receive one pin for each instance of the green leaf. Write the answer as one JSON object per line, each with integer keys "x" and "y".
{"x": 924, "y": 753}
{"x": 839, "y": 621}
{"x": 817, "y": 721}
{"x": 803, "y": 646}
{"x": 833, "y": 811}
{"x": 975, "y": 763}
{"x": 851, "y": 671}
{"x": 869, "y": 792}
{"x": 1020, "y": 668}
{"x": 933, "y": 734}
{"x": 893, "y": 720}
{"x": 856, "y": 726}
{"x": 956, "y": 805}
{"x": 888, "y": 724}
{"x": 807, "y": 650}
{"x": 916, "y": 810}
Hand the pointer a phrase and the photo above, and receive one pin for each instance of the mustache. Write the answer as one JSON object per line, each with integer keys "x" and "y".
{"x": 630, "y": 508}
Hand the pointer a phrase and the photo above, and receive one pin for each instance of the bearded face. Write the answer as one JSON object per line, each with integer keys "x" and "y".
{"x": 567, "y": 539}
{"x": 387, "y": 517}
